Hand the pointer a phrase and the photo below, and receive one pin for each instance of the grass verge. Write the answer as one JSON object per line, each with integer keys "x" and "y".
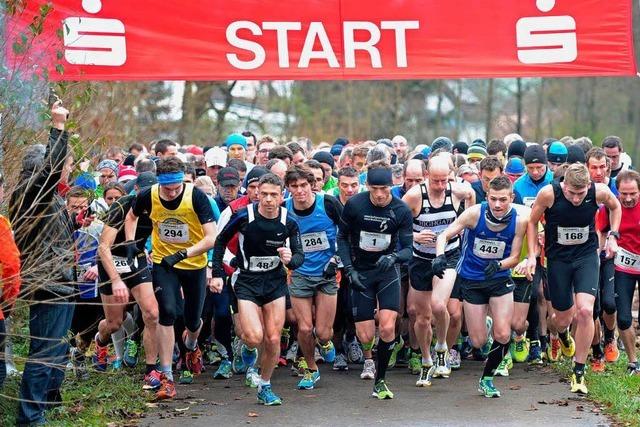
{"x": 110, "y": 398}
{"x": 614, "y": 389}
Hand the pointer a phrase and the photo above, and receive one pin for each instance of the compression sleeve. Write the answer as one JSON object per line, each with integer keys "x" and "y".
{"x": 295, "y": 244}
{"x": 232, "y": 227}
{"x": 344, "y": 230}
{"x": 405, "y": 236}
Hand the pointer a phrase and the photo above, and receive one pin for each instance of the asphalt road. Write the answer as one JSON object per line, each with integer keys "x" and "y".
{"x": 530, "y": 396}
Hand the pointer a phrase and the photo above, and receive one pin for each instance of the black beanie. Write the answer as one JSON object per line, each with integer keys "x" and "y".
{"x": 535, "y": 154}
{"x": 575, "y": 155}
{"x": 324, "y": 157}
{"x": 516, "y": 148}
{"x": 460, "y": 147}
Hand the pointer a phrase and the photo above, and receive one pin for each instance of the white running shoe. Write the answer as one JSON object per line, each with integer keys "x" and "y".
{"x": 369, "y": 370}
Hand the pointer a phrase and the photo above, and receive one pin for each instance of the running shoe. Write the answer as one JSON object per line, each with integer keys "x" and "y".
{"x": 130, "y": 353}
{"x": 597, "y": 364}
{"x": 220, "y": 349}
{"x": 578, "y": 385}
{"x": 519, "y": 349}
{"x": 152, "y": 380}
{"x": 292, "y": 353}
{"x": 194, "y": 361}
{"x": 267, "y": 397}
{"x": 167, "y": 389}
{"x": 317, "y": 356}
{"x": 632, "y": 369}
{"x": 328, "y": 351}
{"x": 309, "y": 380}
{"x": 249, "y": 356}
{"x": 403, "y": 356}
{"x": 224, "y": 371}
{"x": 368, "y": 370}
{"x": 554, "y": 349}
{"x": 415, "y": 363}
{"x": 442, "y": 369}
{"x": 82, "y": 372}
{"x": 611, "y": 352}
{"x": 569, "y": 349}
{"x": 252, "y": 378}
{"x": 394, "y": 353}
{"x": 340, "y": 363}
{"x": 301, "y": 367}
{"x": 503, "y": 368}
{"x": 466, "y": 349}
{"x": 237, "y": 365}
{"x": 381, "y": 391}
{"x": 426, "y": 375}
{"x": 100, "y": 356}
{"x": 535, "y": 353}
{"x": 235, "y": 345}
{"x": 116, "y": 365}
{"x": 354, "y": 352}
{"x": 186, "y": 377}
{"x": 487, "y": 388}
{"x": 454, "y": 359}
{"x": 509, "y": 360}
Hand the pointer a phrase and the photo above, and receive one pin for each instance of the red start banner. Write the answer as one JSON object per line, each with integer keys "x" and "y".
{"x": 332, "y": 39}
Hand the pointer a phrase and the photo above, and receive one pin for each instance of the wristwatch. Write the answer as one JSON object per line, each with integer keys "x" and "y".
{"x": 615, "y": 234}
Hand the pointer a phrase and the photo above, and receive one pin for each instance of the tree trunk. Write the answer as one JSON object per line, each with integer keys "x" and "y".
{"x": 438, "y": 121}
{"x": 539, "y": 107}
{"x": 519, "y": 106}
{"x": 458, "y": 111}
{"x": 489, "y": 120}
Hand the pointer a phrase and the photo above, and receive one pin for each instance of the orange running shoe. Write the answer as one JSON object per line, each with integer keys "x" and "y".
{"x": 611, "y": 352}
{"x": 597, "y": 364}
{"x": 167, "y": 389}
{"x": 554, "y": 349}
{"x": 194, "y": 361}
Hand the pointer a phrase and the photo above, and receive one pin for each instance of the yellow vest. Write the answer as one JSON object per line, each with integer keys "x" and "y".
{"x": 174, "y": 230}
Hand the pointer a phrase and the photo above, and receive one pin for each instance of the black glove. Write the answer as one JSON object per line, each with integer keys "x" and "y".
{"x": 386, "y": 262}
{"x": 131, "y": 249}
{"x": 491, "y": 269}
{"x": 354, "y": 279}
{"x": 330, "y": 269}
{"x": 171, "y": 260}
{"x": 439, "y": 265}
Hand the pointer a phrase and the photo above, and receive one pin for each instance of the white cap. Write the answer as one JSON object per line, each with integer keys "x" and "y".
{"x": 215, "y": 156}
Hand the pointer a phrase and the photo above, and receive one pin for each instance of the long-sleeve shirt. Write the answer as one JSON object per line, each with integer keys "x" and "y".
{"x": 259, "y": 239}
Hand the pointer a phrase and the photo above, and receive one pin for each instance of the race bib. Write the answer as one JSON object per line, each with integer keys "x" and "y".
{"x": 528, "y": 201}
{"x": 315, "y": 242}
{"x": 573, "y": 235}
{"x": 263, "y": 263}
{"x": 121, "y": 264}
{"x": 374, "y": 242}
{"x": 626, "y": 259}
{"x": 174, "y": 232}
{"x": 488, "y": 249}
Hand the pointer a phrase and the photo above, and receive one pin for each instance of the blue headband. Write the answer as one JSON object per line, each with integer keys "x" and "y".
{"x": 379, "y": 176}
{"x": 171, "y": 178}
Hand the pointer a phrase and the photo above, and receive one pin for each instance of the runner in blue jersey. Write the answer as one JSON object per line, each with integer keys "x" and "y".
{"x": 491, "y": 246}
{"x": 314, "y": 283}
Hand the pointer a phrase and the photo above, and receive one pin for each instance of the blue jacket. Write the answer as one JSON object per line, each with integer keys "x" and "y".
{"x": 524, "y": 187}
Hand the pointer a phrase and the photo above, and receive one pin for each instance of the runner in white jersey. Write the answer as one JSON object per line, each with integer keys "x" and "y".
{"x": 435, "y": 205}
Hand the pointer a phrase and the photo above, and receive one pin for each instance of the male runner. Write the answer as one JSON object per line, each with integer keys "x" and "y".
{"x": 435, "y": 205}
{"x": 183, "y": 231}
{"x": 118, "y": 279}
{"x": 605, "y": 305}
{"x": 372, "y": 225}
{"x": 627, "y": 262}
{"x": 491, "y": 246}
{"x": 263, "y": 231}
{"x": 314, "y": 283}
{"x": 571, "y": 244}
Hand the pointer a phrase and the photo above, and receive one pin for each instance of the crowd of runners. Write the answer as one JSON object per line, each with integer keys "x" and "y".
{"x": 254, "y": 254}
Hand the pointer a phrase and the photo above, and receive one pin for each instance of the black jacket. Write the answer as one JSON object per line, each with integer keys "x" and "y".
{"x": 43, "y": 229}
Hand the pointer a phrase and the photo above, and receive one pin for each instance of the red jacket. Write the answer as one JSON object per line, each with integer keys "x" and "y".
{"x": 9, "y": 267}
